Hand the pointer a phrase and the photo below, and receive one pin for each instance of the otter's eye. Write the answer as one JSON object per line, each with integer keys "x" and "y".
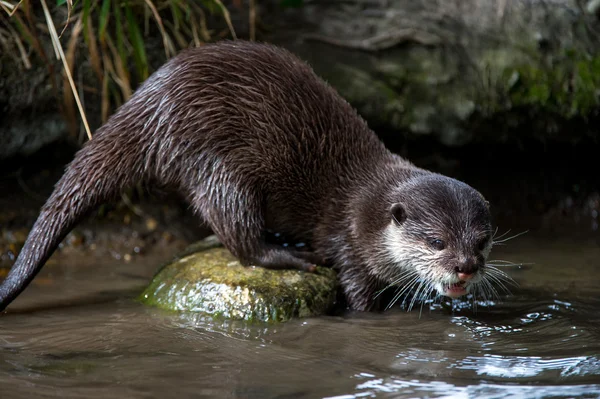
{"x": 437, "y": 244}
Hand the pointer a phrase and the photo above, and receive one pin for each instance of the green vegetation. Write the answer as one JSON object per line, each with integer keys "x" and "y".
{"x": 569, "y": 88}
{"x": 110, "y": 38}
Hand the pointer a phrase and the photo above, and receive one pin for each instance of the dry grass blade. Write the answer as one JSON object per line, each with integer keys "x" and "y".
{"x": 19, "y": 43}
{"x": 195, "y": 36}
{"x": 120, "y": 75}
{"x": 119, "y": 53}
{"x": 9, "y": 7}
{"x": 169, "y": 48}
{"x": 179, "y": 38}
{"x": 227, "y": 17}
{"x": 105, "y": 105}
{"x": 90, "y": 39}
{"x": 29, "y": 31}
{"x": 95, "y": 58}
{"x": 204, "y": 32}
{"x": 69, "y": 9}
{"x": 68, "y": 94}
{"x": 252, "y": 20}
{"x": 22, "y": 51}
{"x": 57, "y": 45}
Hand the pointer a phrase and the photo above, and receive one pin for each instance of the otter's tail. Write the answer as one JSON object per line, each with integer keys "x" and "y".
{"x": 88, "y": 181}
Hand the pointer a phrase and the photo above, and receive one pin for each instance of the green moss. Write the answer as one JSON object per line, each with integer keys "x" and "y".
{"x": 567, "y": 88}
{"x": 213, "y": 282}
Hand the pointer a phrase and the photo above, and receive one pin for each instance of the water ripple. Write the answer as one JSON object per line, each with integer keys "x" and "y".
{"x": 398, "y": 388}
{"x": 531, "y": 366}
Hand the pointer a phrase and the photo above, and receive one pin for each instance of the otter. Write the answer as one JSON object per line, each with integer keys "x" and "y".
{"x": 256, "y": 142}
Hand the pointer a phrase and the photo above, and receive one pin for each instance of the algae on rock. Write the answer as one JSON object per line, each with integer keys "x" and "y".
{"x": 212, "y": 281}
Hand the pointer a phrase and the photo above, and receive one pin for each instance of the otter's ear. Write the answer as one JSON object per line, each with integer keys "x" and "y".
{"x": 398, "y": 213}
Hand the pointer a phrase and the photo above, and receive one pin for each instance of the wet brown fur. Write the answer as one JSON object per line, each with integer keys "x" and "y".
{"x": 255, "y": 141}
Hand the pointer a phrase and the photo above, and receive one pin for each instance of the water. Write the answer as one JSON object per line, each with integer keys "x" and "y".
{"x": 77, "y": 332}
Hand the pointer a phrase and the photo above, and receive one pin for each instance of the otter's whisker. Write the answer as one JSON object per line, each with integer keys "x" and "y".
{"x": 489, "y": 293}
{"x": 408, "y": 289}
{"x": 496, "y": 242}
{"x": 485, "y": 289}
{"x": 403, "y": 277}
{"x": 402, "y": 291}
{"x": 494, "y": 237}
{"x": 498, "y": 280}
{"x": 429, "y": 291}
{"x": 395, "y": 283}
{"x": 492, "y": 291}
{"x": 425, "y": 292}
{"x": 421, "y": 309}
{"x": 501, "y": 261}
{"x": 399, "y": 289}
{"x": 477, "y": 292}
{"x": 493, "y": 271}
{"x": 416, "y": 295}
{"x": 509, "y": 265}
{"x": 495, "y": 232}
{"x": 505, "y": 263}
{"x": 481, "y": 291}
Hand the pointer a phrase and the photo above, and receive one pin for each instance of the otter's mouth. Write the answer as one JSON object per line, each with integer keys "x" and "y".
{"x": 455, "y": 290}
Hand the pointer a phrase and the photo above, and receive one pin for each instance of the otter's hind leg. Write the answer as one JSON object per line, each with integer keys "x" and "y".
{"x": 274, "y": 257}
{"x": 236, "y": 216}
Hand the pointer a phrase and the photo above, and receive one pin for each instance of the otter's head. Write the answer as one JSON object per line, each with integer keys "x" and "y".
{"x": 439, "y": 236}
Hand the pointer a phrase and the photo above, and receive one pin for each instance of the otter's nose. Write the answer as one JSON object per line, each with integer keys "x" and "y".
{"x": 467, "y": 269}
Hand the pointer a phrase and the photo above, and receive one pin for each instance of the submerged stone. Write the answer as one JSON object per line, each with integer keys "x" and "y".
{"x": 207, "y": 278}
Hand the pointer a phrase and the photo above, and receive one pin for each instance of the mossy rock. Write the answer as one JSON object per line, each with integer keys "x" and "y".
{"x": 207, "y": 278}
